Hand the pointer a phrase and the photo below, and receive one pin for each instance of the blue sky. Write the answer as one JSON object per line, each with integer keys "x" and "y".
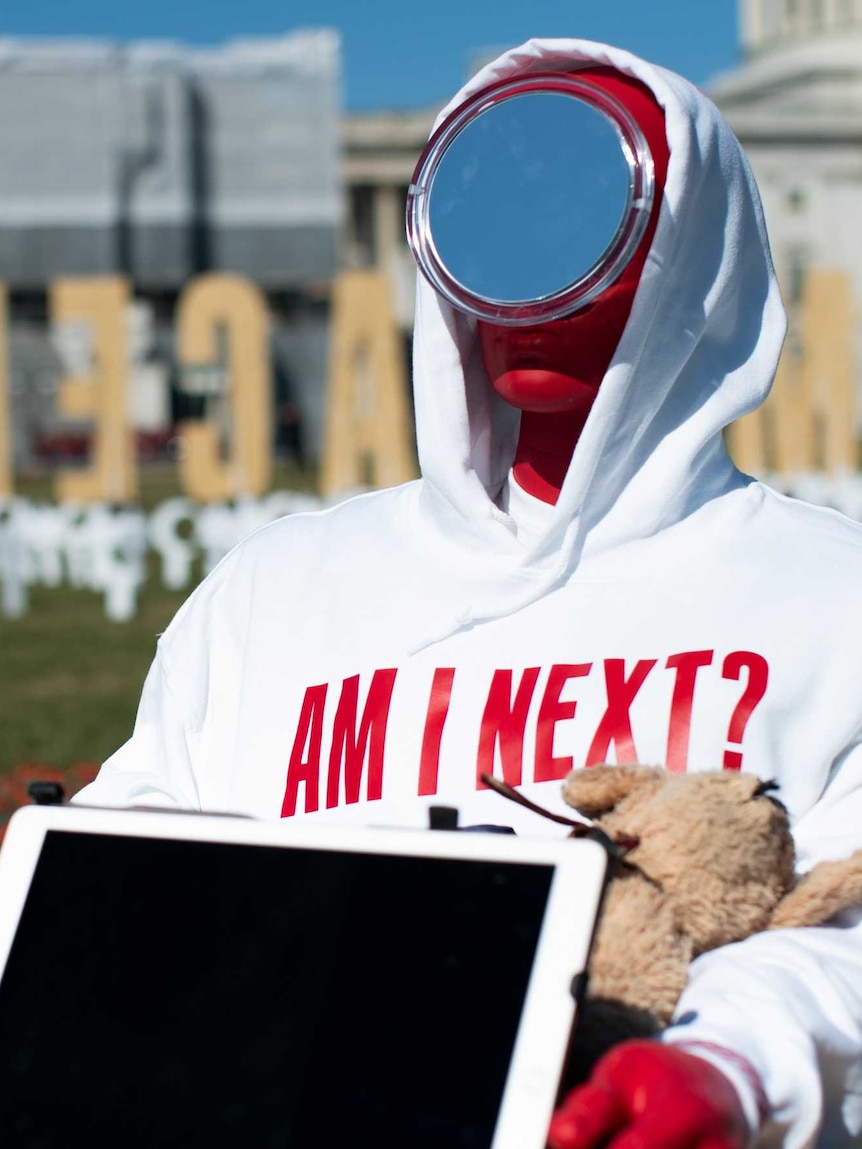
{"x": 402, "y": 54}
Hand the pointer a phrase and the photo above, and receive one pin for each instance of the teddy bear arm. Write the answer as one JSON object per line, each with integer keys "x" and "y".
{"x": 821, "y": 894}
{"x": 639, "y": 958}
{"x": 637, "y": 971}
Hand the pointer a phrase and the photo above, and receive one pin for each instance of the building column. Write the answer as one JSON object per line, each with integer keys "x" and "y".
{"x": 391, "y": 254}
{"x": 751, "y": 24}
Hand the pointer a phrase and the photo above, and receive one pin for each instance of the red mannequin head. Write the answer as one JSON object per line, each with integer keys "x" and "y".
{"x": 552, "y": 371}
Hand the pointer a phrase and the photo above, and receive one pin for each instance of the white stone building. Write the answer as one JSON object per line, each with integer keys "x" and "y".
{"x": 796, "y": 106}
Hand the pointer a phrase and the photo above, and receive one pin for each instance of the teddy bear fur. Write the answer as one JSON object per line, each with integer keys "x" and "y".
{"x": 704, "y": 860}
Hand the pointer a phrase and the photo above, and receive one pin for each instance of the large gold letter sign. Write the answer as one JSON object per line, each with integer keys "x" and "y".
{"x": 222, "y": 334}
{"x": 92, "y": 313}
{"x": 368, "y": 440}
{"x": 809, "y": 420}
{"x": 829, "y": 368}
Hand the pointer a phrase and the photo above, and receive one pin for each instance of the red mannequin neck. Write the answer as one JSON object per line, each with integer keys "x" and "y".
{"x": 546, "y": 444}
{"x": 554, "y": 406}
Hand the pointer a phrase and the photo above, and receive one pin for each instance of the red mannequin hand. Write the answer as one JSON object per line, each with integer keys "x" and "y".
{"x": 644, "y": 1095}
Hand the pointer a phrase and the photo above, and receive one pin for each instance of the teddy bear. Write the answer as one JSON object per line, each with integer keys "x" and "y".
{"x": 698, "y": 861}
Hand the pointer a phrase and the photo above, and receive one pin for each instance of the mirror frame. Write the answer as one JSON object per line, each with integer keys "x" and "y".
{"x": 580, "y": 292}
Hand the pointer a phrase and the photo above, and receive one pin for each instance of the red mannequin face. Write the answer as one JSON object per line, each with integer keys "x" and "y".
{"x": 558, "y": 366}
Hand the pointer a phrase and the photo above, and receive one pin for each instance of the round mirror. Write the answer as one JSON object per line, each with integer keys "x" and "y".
{"x": 530, "y": 200}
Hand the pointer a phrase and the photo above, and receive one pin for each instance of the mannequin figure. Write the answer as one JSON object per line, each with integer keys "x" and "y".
{"x": 552, "y": 373}
{"x": 613, "y": 590}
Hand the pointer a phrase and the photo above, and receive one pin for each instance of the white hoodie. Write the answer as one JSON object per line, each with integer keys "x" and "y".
{"x": 365, "y": 662}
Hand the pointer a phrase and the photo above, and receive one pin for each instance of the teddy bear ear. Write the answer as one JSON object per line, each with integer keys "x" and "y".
{"x": 594, "y": 790}
{"x": 821, "y": 894}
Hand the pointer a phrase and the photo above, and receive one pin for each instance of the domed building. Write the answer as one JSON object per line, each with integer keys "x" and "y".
{"x": 796, "y": 106}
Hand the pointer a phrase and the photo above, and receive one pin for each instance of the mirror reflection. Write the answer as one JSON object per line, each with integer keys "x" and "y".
{"x": 529, "y": 196}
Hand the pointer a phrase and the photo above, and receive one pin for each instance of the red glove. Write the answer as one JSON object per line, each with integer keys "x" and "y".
{"x": 646, "y": 1095}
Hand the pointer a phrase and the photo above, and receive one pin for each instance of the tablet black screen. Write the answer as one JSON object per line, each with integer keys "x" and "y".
{"x": 184, "y": 994}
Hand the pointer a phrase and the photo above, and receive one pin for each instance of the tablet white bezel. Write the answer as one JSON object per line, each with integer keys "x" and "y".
{"x": 561, "y": 952}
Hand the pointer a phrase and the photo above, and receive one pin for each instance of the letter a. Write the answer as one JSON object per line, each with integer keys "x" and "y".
{"x": 309, "y": 732}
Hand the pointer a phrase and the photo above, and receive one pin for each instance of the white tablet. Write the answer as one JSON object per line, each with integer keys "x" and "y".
{"x": 180, "y": 980}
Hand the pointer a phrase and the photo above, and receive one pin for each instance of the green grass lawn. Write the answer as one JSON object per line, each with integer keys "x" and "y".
{"x": 69, "y": 678}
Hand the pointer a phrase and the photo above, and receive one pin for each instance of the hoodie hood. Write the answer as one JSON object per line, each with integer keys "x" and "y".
{"x": 700, "y": 349}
